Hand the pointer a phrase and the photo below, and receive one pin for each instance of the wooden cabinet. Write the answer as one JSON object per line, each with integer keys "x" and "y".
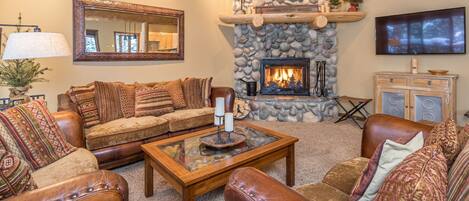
{"x": 417, "y": 97}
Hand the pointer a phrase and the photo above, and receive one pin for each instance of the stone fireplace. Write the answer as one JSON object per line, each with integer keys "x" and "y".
{"x": 288, "y": 76}
{"x": 287, "y": 90}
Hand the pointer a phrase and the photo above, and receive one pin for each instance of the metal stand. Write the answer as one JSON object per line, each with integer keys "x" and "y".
{"x": 357, "y": 107}
{"x": 220, "y": 119}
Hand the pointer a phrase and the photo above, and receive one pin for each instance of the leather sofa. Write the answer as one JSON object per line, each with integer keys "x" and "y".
{"x": 76, "y": 176}
{"x": 118, "y": 142}
{"x": 250, "y": 184}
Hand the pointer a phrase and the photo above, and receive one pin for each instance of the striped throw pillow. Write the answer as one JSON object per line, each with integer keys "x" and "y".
{"x": 458, "y": 177}
{"x": 85, "y": 99}
{"x": 192, "y": 88}
{"x": 175, "y": 91}
{"x": 207, "y": 91}
{"x": 108, "y": 101}
{"x": 152, "y": 101}
{"x": 16, "y": 176}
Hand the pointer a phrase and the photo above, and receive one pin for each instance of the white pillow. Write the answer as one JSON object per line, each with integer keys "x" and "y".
{"x": 392, "y": 154}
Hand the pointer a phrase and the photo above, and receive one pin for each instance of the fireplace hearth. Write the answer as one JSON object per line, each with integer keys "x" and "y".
{"x": 285, "y": 76}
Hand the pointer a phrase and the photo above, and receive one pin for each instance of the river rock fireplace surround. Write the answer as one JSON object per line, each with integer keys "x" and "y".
{"x": 283, "y": 95}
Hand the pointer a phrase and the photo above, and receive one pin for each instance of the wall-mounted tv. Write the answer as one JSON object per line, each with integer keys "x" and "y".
{"x": 431, "y": 32}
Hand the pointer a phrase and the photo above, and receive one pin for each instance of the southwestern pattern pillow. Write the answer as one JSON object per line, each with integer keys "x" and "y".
{"x": 445, "y": 135}
{"x": 421, "y": 176}
{"x": 127, "y": 100}
{"x": 192, "y": 89}
{"x": 458, "y": 177}
{"x": 175, "y": 91}
{"x": 85, "y": 99}
{"x": 15, "y": 176}
{"x": 152, "y": 102}
{"x": 108, "y": 101}
{"x": 31, "y": 132}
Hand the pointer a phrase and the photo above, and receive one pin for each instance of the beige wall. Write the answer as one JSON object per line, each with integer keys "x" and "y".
{"x": 358, "y": 62}
{"x": 208, "y": 47}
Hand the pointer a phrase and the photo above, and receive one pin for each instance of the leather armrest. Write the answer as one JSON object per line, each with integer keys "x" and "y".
{"x": 65, "y": 103}
{"x": 99, "y": 185}
{"x": 250, "y": 184}
{"x": 71, "y": 125}
{"x": 380, "y": 127}
{"x": 226, "y": 92}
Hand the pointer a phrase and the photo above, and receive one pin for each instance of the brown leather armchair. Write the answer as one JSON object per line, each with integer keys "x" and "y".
{"x": 94, "y": 186}
{"x": 249, "y": 184}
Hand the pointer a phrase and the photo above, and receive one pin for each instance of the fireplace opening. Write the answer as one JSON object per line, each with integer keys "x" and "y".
{"x": 285, "y": 77}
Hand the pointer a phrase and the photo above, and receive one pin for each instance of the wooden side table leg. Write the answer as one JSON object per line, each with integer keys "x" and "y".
{"x": 148, "y": 177}
{"x": 290, "y": 166}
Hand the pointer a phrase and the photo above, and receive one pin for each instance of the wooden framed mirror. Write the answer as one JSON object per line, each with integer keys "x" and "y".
{"x": 106, "y": 30}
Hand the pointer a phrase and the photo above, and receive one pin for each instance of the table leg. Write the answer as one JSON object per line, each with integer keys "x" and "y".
{"x": 187, "y": 195}
{"x": 290, "y": 166}
{"x": 148, "y": 177}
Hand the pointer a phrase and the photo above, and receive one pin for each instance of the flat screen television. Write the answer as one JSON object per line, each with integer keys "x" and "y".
{"x": 431, "y": 32}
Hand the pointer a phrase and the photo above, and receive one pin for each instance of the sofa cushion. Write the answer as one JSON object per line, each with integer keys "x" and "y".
{"x": 206, "y": 85}
{"x": 458, "y": 177}
{"x": 321, "y": 191}
{"x": 15, "y": 175}
{"x": 175, "y": 91}
{"x": 84, "y": 97}
{"x": 191, "y": 118}
{"x": 152, "y": 101}
{"x": 127, "y": 100}
{"x": 421, "y": 176}
{"x": 30, "y": 132}
{"x": 123, "y": 130}
{"x": 192, "y": 88}
{"x": 77, "y": 163}
{"x": 343, "y": 176}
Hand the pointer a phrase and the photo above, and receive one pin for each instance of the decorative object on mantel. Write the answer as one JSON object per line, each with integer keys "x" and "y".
{"x": 336, "y": 5}
{"x": 291, "y": 18}
{"x": 287, "y": 9}
{"x": 414, "y": 65}
{"x": 19, "y": 70}
{"x": 354, "y": 5}
{"x": 241, "y": 109}
{"x": 438, "y": 72}
{"x": 226, "y": 138}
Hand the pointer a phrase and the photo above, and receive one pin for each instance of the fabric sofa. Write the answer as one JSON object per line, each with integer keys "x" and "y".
{"x": 250, "y": 184}
{"x": 118, "y": 142}
{"x": 77, "y": 175}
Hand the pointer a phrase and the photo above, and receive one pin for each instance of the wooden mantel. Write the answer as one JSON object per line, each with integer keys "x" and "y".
{"x": 281, "y": 18}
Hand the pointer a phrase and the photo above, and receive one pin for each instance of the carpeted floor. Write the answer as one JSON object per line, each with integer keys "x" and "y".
{"x": 321, "y": 146}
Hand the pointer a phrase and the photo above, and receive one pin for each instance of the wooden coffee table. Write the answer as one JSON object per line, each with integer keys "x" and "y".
{"x": 192, "y": 169}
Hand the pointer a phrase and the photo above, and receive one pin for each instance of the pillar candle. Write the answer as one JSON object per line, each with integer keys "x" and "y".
{"x": 229, "y": 122}
{"x": 220, "y": 106}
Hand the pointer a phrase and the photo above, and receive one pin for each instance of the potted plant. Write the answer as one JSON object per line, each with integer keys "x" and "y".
{"x": 19, "y": 76}
{"x": 354, "y": 5}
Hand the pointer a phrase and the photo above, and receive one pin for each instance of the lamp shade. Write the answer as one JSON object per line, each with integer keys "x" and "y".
{"x": 31, "y": 45}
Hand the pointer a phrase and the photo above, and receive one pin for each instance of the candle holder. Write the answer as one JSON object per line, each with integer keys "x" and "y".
{"x": 220, "y": 121}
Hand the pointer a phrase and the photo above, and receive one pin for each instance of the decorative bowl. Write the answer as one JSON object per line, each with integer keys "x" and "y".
{"x": 211, "y": 140}
{"x": 438, "y": 72}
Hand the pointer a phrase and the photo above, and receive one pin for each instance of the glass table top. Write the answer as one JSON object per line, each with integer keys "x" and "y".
{"x": 193, "y": 155}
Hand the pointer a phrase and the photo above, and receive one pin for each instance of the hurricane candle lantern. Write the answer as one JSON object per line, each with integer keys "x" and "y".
{"x": 219, "y": 117}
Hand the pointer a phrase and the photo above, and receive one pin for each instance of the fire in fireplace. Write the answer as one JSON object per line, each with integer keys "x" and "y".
{"x": 285, "y": 77}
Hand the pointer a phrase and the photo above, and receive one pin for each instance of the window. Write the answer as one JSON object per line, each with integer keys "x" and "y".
{"x": 126, "y": 42}
{"x": 92, "y": 42}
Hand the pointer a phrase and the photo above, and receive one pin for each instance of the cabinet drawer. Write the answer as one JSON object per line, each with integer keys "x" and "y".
{"x": 430, "y": 83}
{"x": 391, "y": 81}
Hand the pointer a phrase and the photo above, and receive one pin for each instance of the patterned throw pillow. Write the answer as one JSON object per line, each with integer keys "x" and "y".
{"x": 207, "y": 91}
{"x": 421, "y": 176}
{"x": 175, "y": 91}
{"x": 85, "y": 99}
{"x": 30, "y": 132}
{"x": 151, "y": 101}
{"x": 192, "y": 88}
{"x": 386, "y": 157}
{"x": 445, "y": 135}
{"x": 458, "y": 177}
{"x": 127, "y": 100}
{"x": 108, "y": 101}
{"x": 15, "y": 176}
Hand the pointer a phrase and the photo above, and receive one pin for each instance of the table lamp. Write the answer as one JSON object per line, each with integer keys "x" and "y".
{"x": 33, "y": 45}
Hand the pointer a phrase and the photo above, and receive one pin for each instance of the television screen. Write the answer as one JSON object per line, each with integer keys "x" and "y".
{"x": 432, "y": 32}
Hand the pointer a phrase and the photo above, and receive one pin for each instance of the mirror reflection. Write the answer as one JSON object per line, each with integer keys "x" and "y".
{"x": 125, "y": 32}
